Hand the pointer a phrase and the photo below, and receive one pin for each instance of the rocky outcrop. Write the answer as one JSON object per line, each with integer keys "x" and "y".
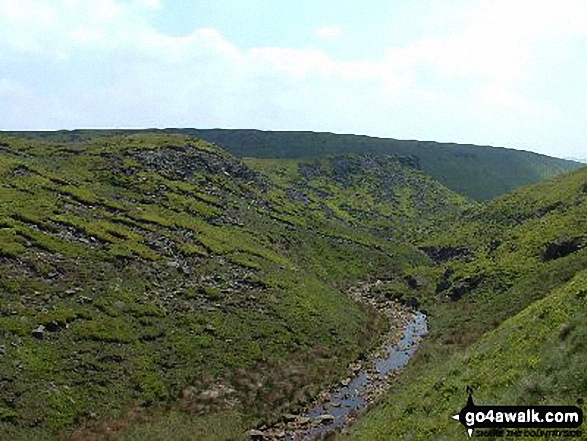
{"x": 446, "y": 254}
{"x": 561, "y": 248}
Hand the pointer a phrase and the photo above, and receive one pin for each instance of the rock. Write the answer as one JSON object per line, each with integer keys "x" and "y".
{"x": 39, "y": 333}
{"x": 346, "y": 382}
{"x": 445, "y": 254}
{"x": 561, "y": 248}
{"x": 53, "y": 326}
{"x": 120, "y": 304}
{"x": 186, "y": 270}
{"x": 412, "y": 302}
{"x": 173, "y": 264}
{"x": 302, "y": 421}
{"x": 255, "y": 434}
{"x": 417, "y": 282}
{"x": 288, "y": 418}
{"x": 463, "y": 286}
{"x": 325, "y": 419}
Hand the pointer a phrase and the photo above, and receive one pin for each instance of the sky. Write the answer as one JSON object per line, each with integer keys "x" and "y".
{"x": 490, "y": 72}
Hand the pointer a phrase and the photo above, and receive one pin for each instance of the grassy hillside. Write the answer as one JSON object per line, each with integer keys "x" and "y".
{"x": 155, "y": 286}
{"x": 536, "y": 357}
{"x": 478, "y": 172}
{"x": 151, "y": 270}
{"x": 508, "y": 312}
{"x": 388, "y": 195}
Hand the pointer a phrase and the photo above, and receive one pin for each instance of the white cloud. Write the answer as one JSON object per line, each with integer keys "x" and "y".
{"x": 152, "y": 4}
{"x": 330, "y": 32}
{"x": 499, "y": 96}
{"x": 12, "y": 88}
{"x": 482, "y": 59}
{"x": 495, "y": 39}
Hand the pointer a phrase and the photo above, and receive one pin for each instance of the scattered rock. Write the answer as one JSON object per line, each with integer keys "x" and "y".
{"x": 417, "y": 282}
{"x": 564, "y": 331}
{"x": 120, "y": 304}
{"x": 174, "y": 264}
{"x": 545, "y": 210}
{"x": 445, "y": 254}
{"x": 210, "y": 329}
{"x": 462, "y": 287}
{"x": 413, "y": 302}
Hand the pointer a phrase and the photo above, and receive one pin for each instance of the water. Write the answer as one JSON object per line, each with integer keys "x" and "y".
{"x": 349, "y": 399}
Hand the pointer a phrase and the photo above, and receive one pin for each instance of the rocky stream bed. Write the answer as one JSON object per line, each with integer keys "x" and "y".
{"x": 368, "y": 378}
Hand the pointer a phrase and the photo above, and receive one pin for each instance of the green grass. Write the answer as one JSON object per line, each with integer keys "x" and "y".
{"x": 516, "y": 331}
{"x": 181, "y": 287}
{"x": 154, "y": 272}
{"x": 536, "y": 357}
{"x": 478, "y": 172}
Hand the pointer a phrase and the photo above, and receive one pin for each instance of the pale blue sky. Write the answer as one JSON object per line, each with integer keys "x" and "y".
{"x": 497, "y": 72}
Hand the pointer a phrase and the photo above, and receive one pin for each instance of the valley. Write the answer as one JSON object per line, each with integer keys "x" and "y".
{"x": 187, "y": 284}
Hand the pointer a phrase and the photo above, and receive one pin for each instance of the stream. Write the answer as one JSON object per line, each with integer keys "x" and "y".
{"x": 336, "y": 408}
{"x": 347, "y": 400}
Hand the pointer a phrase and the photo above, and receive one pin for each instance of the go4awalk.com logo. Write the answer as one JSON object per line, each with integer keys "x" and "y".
{"x": 520, "y": 421}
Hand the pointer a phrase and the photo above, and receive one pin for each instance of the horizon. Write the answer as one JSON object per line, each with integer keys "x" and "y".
{"x": 486, "y": 73}
{"x": 573, "y": 159}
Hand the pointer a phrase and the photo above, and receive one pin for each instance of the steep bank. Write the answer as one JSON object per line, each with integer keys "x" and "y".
{"x": 367, "y": 378}
{"x": 150, "y": 271}
{"x": 507, "y": 306}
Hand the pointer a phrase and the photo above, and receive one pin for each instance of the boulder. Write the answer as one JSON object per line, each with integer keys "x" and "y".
{"x": 53, "y": 326}
{"x": 325, "y": 419}
{"x": 256, "y": 435}
{"x": 289, "y": 418}
{"x": 39, "y": 332}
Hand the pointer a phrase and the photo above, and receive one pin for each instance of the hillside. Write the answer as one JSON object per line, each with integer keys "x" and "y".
{"x": 149, "y": 270}
{"x": 508, "y": 313}
{"x": 156, "y": 286}
{"x": 388, "y": 195}
{"x": 478, "y": 172}
{"x": 536, "y": 358}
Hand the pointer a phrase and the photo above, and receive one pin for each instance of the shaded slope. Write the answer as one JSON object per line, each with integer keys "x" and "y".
{"x": 388, "y": 195}
{"x": 478, "y": 172}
